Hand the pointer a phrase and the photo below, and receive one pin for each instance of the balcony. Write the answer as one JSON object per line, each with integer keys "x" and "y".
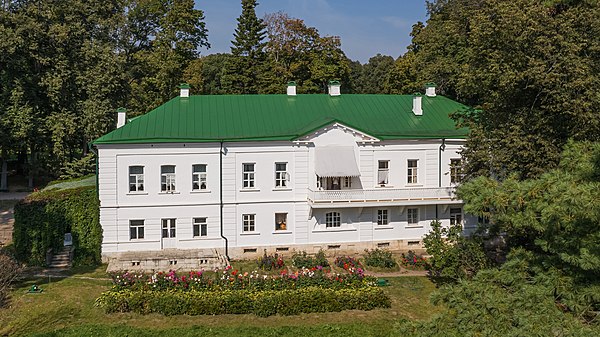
{"x": 381, "y": 197}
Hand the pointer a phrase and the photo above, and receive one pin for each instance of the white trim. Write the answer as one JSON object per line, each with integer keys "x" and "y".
{"x": 366, "y": 138}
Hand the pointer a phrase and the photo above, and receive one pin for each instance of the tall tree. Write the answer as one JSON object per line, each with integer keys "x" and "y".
{"x": 245, "y": 68}
{"x": 376, "y": 75}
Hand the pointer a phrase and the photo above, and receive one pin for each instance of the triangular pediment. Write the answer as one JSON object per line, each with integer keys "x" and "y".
{"x": 359, "y": 136}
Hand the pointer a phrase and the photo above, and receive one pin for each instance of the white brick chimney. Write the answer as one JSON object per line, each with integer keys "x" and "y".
{"x": 184, "y": 90}
{"x": 430, "y": 89}
{"x": 121, "y": 117}
{"x": 417, "y": 105}
{"x": 334, "y": 88}
{"x": 291, "y": 88}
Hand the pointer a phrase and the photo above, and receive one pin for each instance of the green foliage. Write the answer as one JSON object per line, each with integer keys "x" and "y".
{"x": 261, "y": 303}
{"x": 303, "y": 260}
{"x": 454, "y": 257}
{"x": 413, "y": 261}
{"x": 79, "y": 168}
{"x": 43, "y": 218}
{"x": 381, "y": 258}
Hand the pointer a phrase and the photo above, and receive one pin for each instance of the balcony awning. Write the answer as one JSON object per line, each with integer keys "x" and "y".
{"x": 335, "y": 161}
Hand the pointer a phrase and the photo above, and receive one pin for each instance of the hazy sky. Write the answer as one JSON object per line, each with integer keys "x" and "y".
{"x": 366, "y": 27}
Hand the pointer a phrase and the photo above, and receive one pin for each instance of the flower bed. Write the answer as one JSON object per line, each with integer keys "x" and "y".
{"x": 228, "y": 291}
{"x": 413, "y": 261}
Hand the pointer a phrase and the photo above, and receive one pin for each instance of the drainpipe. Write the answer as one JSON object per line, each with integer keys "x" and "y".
{"x": 91, "y": 147}
{"x": 221, "y": 200}
{"x": 441, "y": 148}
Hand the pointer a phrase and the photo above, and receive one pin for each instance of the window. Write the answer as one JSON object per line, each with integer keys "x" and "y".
{"x": 136, "y": 229}
{"x": 383, "y": 172}
{"x": 382, "y": 217}
{"x": 248, "y": 222}
{"x": 167, "y": 178}
{"x": 281, "y": 221}
{"x": 333, "y": 219}
{"x": 413, "y": 216}
{"x": 455, "y": 171}
{"x": 455, "y": 216}
{"x": 168, "y": 228}
{"x": 347, "y": 182}
{"x": 413, "y": 168}
{"x": 199, "y": 227}
{"x": 136, "y": 178}
{"x": 248, "y": 175}
{"x": 281, "y": 175}
{"x": 198, "y": 177}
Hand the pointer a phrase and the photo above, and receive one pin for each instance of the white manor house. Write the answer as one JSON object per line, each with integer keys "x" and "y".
{"x": 230, "y": 176}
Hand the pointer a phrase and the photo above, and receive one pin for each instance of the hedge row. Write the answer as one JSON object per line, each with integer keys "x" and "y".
{"x": 43, "y": 218}
{"x": 261, "y": 303}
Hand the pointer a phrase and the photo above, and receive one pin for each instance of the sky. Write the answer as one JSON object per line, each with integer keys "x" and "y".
{"x": 366, "y": 27}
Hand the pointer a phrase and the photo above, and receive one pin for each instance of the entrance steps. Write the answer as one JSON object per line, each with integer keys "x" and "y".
{"x": 61, "y": 260}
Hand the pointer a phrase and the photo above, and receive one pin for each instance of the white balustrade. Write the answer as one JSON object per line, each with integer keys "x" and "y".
{"x": 380, "y": 194}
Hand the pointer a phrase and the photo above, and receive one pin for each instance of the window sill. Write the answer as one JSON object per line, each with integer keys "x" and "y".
{"x": 282, "y": 189}
{"x": 335, "y": 229}
{"x": 137, "y": 193}
{"x": 383, "y": 227}
{"x": 282, "y": 232}
{"x": 200, "y": 191}
{"x": 249, "y": 233}
{"x": 250, "y": 190}
{"x": 174, "y": 192}
{"x": 413, "y": 185}
{"x": 384, "y": 186}
{"x": 413, "y": 226}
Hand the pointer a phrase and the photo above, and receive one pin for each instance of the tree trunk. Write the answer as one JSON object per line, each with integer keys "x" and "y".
{"x": 4, "y": 175}
{"x": 32, "y": 164}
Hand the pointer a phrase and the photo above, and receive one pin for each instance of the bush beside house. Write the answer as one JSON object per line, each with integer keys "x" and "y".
{"x": 43, "y": 218}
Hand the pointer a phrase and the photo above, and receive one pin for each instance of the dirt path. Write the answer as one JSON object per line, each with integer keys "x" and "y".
{"x": 403, "y": 272}
{"x": 7, "y": 218}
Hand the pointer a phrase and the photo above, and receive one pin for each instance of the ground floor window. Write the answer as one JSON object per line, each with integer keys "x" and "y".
{"x": 455, "y": 216}
{"x": 168, "y": 228}
{"x": 412, "y": 216}
{"x": 333, "y": 219}
{"x": 382, "y": 217}
{"x": 136, "y": 229}
{"x": 248, "y": 224}
{"x": 199, "y": 227}
{"x": 281, "y": 221}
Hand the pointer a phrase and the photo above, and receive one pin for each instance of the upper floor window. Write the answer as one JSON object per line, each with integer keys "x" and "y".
{"x": 413, "y": 171}
{"x": 136, "y": 178}
{"x": 347, "y": 182}
{"x": 198, "y": 177}
{"x": 455, "y": 171}
{"x": 199, "y": 227}
{"x": 281, "y": 175}
{"x": 455, "y": 216}
{"x": 136, "y": 229}
{"x": 167, "y": 178}
{"x": 168, "y": 228}
{"x": 333, "y": 219}
{"x": 412, "y": 215}
{"x": 383, "y": 172}
{"x": 248, "y": 223}
{"x": 382, "y": 217}
{"x": 248, "y": 175}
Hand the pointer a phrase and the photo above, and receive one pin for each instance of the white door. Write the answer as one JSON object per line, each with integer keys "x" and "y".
{"x": 169, "y": 239}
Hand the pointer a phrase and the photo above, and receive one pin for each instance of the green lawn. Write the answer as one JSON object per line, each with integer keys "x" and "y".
{"x": 65, "y": 308}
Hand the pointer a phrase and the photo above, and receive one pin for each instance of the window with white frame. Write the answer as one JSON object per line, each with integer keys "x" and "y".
{"x": 136, "y": 178}
{"x": 281, "y": 221}
{"x": 248, "y": 175}
{"x": 412, "y": 215}
{"x": 281, "y": 175}
{"x": 168, "y": 228}
{"x": 333, "y": 219}
{"x": 198, "y": 177}
{"x": 455, "y": 216}
{"x": 248, "y": 223}
{"x": 382, "y": 217}
{"x": 136, "y": 229}
{"x": 455, "y": 171}
{"x": 383, "y": 172}
{"x": 199, "y": 227}
{"x": 413, "y": 171}
{"x": 167, "y": 178}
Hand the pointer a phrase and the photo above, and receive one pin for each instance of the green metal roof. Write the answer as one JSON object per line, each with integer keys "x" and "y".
{"x": 281, "y": 117}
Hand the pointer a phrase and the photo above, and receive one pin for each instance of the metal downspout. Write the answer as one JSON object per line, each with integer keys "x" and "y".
{"x": 221, "y": 200}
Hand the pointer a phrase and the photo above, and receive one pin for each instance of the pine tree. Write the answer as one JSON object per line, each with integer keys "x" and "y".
{"x": 245, "y": 68}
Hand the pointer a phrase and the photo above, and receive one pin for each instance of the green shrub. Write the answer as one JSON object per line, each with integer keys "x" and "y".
{"x": 303, "y": 260}
{"x": 43, "y": 218}
{"x": 413, "y": 261}
{"x": 260, "y": 303}
{"x": 381, "y": 258}
{"x": 270, "y": 262}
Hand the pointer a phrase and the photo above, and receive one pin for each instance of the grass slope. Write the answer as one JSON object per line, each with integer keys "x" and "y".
{"x": 65, "y": 308}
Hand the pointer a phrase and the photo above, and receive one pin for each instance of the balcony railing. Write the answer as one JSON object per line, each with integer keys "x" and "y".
{"x": 382, "y": 195}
